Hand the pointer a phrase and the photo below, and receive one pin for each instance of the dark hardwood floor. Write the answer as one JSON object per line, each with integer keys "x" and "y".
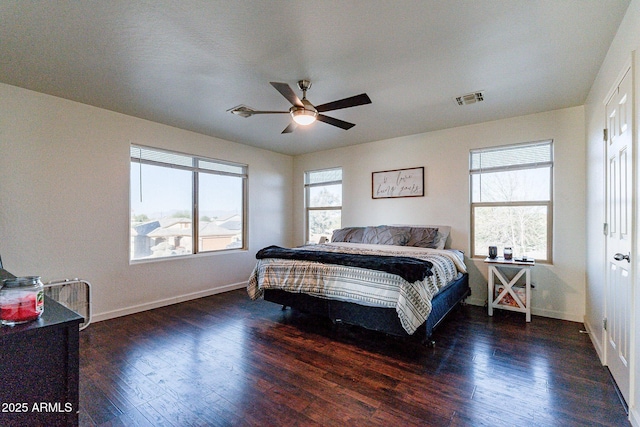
{"x": 226, "y": 360}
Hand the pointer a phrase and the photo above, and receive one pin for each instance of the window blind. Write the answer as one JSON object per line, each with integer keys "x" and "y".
{"x": 323, "y": 176}
{"x": 509, "y": 157}
{"x": 182, "y": 161}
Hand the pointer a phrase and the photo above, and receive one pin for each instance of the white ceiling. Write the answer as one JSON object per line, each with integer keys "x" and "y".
{"x": 186, "y": 62}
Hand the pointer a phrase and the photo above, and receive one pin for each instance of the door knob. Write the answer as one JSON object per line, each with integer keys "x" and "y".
{"x": 620, "y": 257}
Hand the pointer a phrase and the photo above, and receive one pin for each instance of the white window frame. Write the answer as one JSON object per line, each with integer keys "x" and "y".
{"x": 141, "y": 154}
{"x": 478, "y": 170}
{"x": 307, "y": 203}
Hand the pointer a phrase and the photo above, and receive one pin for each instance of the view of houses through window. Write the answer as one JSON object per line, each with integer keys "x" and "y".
{"x": 182, "y": 204}
{"x": 511, "y": 199}
{"x": 323, "y": 201}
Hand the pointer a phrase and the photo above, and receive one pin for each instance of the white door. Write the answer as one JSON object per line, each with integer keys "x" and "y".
{"x": 619, "y": 236}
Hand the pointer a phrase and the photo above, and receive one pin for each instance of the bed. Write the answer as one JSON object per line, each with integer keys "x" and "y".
{"x": 399, "y": 280}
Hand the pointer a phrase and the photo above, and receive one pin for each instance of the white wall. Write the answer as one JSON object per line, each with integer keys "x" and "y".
{"x": 560, "y": 287}
{"x": 626, "y": 41}
{"x": 64, "y": 202}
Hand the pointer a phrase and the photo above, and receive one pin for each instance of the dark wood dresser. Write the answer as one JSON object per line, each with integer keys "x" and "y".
{"x": 39, "y": 369}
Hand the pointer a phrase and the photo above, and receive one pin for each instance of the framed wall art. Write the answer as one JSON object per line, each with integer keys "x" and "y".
{"x": 397, "y": 183}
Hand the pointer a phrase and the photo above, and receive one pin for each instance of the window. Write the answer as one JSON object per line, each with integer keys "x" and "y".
{"x": 511, "y": 199}
{"x": 323, "y": 201}
{"x": 181, "y": 204}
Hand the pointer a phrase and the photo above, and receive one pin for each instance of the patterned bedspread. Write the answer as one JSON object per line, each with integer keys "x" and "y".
{"x": 412, "y": 301}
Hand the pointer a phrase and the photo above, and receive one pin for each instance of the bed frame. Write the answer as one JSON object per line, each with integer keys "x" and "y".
{"x": 376, "y": 318}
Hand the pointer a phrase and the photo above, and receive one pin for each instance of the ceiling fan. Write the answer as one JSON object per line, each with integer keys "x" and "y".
{"x": 302, "y": 111}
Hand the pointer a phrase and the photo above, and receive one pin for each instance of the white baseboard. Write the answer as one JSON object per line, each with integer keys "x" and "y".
{"x": 634, "y": 418}
{"x": 475, "y": 301}
{"x": 593, "y": 335}
{"x": 164, "y": 302}
{"x": 201, "y": 294}
{"x": 537, "y": 312}
{"x": 556, "y": 314}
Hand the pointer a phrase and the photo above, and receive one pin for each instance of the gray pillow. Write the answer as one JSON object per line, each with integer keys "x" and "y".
{"x": 386, "y": 235}
{"x": 423, "y": 237}
{"x": 348, "y": 234}
{"x": 443, "y": 233}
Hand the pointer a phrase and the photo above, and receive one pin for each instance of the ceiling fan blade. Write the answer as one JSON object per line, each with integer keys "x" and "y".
{"x": 267, "y": 112}
{"x": 245, "y": 111}
{"x": 352, "y": 101}
{"x": 290, "y": 128}
{"x": 335, "y": 122}
{"x": 286, "y": 91}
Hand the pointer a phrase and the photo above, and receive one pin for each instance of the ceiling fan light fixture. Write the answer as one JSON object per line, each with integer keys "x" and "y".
{"x": 303, "y": 117}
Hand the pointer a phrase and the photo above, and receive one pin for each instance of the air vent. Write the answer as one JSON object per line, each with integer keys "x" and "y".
{"x": 242, "y": 111}
{"x": 470, "y": 98}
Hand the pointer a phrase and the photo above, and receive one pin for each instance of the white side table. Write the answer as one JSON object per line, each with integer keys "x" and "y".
{"x": 524, "y": 267}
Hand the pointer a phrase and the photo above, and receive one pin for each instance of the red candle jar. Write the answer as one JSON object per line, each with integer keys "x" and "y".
{"x": 21, "y": 300}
